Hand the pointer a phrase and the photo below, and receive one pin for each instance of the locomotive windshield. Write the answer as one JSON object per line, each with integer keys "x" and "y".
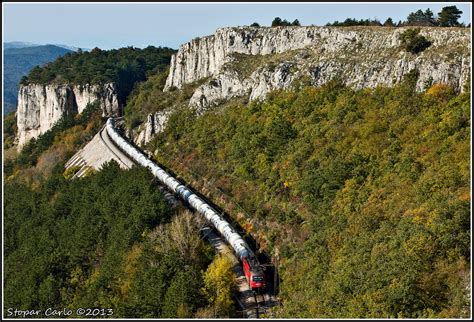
{"x": 253, "y": 262}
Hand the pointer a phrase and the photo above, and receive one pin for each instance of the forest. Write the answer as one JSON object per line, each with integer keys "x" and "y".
{"x": 124, "y": 67}
{"x": 364, "y": 193}
{"x": 108, "y": 240}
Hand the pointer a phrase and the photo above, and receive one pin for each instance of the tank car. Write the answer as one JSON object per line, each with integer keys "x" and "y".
{"x": 252, "y": 269}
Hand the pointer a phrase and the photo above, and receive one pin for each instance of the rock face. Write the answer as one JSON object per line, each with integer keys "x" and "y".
{"x": 359, "y": 56}
{"x": 154, "y": 124}
{"x": 40, "y": 106}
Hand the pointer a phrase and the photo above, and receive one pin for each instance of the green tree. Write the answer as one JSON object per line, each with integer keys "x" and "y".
{"x": 255, "y": 24}
{"x": 181, "y": 298}
{"x": 389, "y": 23}
{"x": 276, "y": 22}
{"x": 354, "y": 22}
{"x": 420, "y": 18}
{"x": 448, "y": 16}
{"x": 296, "y": 22}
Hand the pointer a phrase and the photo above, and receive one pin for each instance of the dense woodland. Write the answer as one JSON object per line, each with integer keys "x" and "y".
{"x": 124, "y": 67}
{"x": 107, "y": 240}
{"x": 364, "y": 193}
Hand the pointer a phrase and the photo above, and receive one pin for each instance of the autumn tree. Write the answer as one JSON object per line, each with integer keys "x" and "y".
{"x": 219, "y": 280}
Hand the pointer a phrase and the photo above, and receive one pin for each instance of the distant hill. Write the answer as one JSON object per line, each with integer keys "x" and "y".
{"x": 19, "y": 59}
{"x": 18, "y": 44}
{"x": 73, "y": 48}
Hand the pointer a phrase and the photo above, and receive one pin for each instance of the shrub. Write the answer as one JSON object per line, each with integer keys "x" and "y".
{"x": 278, "y": 22}
{"x": 441, "y": 91}
{"x": 70, "y": 172}
{"x": 413, "y": 42}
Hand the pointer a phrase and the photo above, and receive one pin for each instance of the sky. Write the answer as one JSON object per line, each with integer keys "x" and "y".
{"x": 115, "y": 25}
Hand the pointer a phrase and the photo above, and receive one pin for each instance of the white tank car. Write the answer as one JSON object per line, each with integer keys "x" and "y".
{"x": 240, "y": 247}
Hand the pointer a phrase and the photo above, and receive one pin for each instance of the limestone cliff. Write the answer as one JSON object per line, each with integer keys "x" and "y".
{"x": 253, "y": 61}
{"x": 40, "y": 106}
{"x": 154, "y": 124}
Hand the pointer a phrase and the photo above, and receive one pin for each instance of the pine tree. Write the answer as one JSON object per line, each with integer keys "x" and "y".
{"x": 276, "y": 22}
{"x": 448, "y": 17}
{"x": 389, "y": 23}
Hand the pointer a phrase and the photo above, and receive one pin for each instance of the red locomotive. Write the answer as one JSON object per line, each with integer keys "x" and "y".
{"x": 253, "y": 272}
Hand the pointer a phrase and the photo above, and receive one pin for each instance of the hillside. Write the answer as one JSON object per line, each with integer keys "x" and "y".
{"x": 18, "y": 61}
{"x": 364, "y": 194}
{"x": 19, "y": 44}
{"x": 249, "y": 62}
{"x": 108, "y": 239}
{"x": 345, "y": 156}
{"x": 358, "y": 182}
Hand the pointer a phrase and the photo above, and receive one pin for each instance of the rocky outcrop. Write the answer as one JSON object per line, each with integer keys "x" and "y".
{"x": 154, "y": 124}
{"x": 359, "y": 56}
{"x": 40, "y": 106}
{"x": 230, "y": 84}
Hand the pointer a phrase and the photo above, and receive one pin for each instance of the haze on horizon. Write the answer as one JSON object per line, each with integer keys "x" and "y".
{"x": 115, "y": 25}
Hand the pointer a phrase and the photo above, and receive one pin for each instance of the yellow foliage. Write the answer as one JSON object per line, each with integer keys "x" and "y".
{"x": 466, "y": 196}
{"x": 183, "y": 311}
{"x": 219, "y": 280}
{"x": 440, "y": 90}
{"x": 130, "y": 269}
{"x": 419, "y": 215}
{"x": 70, "y": 172}
{"x": 248, "y": 227}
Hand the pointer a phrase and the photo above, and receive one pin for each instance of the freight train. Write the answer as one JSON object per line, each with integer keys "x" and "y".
{"x": 252, "y": 268}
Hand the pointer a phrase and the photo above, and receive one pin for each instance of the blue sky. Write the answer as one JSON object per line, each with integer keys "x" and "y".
{"x": 115, "y": 25}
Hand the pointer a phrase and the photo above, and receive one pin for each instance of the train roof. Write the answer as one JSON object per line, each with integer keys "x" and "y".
{"x": 254, "y": 265}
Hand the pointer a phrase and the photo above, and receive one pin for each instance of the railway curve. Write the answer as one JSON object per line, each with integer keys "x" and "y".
{"x": 108, "y": 144}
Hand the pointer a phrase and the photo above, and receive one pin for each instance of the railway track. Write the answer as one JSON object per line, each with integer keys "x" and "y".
{"x": 103, "y": 148}
{"x": 260, "y": 303}
{"x": 125, "y": 160}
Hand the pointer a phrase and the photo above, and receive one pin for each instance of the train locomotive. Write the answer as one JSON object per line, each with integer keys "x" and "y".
{"x": 252, "y": 268}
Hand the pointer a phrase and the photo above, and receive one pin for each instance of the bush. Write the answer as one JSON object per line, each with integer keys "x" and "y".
{"x": 412, "y": 42}
{"x": 441, "y": 91}
{"x": 354, "y": 22}
{"x": 278, "y": 22}
{"x": 70, "y": 172}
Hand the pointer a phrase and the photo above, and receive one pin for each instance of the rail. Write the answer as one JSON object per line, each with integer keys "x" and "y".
{"x": 239, "y": 245}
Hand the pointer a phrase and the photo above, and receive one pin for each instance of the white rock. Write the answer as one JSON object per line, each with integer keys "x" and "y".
{"x": 361, "y": 57}
{"x": 40, "y": 106}
{"x": 154, "y": 125}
